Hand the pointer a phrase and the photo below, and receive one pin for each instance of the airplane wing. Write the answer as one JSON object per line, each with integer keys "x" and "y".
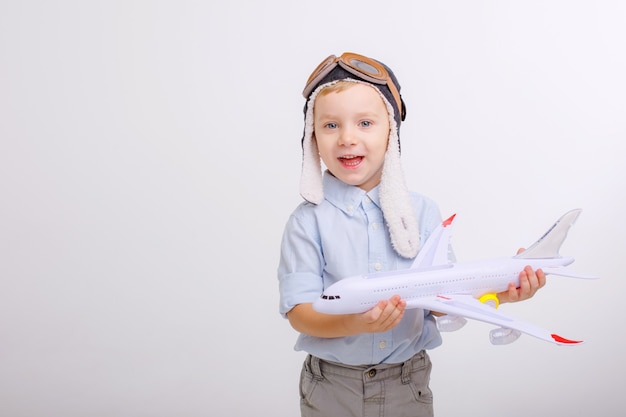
{"x": 435, "y": 250}
{"x": 470, "y": 307}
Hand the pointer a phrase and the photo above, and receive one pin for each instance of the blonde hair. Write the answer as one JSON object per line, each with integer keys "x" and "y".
{"x": 336, "y": 87}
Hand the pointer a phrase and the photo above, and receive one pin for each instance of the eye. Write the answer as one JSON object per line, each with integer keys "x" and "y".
{"x": 331, "y": 125}
{"x": 366, "y": 123}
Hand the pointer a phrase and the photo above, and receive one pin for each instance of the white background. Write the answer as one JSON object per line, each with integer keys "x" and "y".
{"x": 150, "y": 156}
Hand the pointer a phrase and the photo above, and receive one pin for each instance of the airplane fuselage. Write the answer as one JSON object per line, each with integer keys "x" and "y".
{"x": 360, "y": 293}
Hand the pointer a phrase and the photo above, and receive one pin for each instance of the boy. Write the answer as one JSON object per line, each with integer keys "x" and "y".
{"x": 358, "y": 218}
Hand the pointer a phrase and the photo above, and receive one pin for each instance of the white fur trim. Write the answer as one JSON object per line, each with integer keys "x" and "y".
{"x": 396, "y": 203}
{"x": 311, "y": 185}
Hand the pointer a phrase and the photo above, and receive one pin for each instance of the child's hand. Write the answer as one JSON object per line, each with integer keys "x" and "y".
{"x": 529, "y": 283}
{"x": 384, "y": 316}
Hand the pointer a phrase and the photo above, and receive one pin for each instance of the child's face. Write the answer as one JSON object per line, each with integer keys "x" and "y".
{"x": 351, "y": 128}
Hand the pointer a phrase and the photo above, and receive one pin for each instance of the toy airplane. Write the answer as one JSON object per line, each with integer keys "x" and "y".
{"x": 458, "y": 289}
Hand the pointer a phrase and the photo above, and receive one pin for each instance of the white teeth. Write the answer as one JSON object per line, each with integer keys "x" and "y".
{"x": 348, "y": 156}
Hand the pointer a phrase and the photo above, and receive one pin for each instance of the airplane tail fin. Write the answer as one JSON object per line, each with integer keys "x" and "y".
{"x": 435, "y": 250}
{"x": 549, "y": 244}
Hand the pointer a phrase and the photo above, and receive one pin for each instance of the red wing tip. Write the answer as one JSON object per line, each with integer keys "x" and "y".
{"x": 565, "y": 341}
{"x": 448, "y": 221}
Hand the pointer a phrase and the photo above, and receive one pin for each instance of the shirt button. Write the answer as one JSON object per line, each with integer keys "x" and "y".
{"x": 378, "y": 266}
{"x": 382, "y": 344}
{"x": 375, "y": 226}
{"x": 368, "y": 200}
{"x": 350, "y": 209}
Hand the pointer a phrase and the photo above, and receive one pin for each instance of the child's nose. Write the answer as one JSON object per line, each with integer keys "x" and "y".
{"x": 347, "y": 137}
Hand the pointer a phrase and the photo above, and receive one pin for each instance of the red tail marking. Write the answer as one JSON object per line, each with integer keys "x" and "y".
{"x": 448, "y": 221}
{"x": 560, "y": 339}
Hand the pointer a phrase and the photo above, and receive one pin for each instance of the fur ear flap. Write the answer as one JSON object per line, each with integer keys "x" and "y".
{"x": 311, "y": 185}
{"x": 396, "y": 204}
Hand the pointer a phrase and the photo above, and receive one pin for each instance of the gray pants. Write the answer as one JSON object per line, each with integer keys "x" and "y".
{"x": 329, "y": 389}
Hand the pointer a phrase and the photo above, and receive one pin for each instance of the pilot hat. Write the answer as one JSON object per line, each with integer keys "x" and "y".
{"x": 395, "y": 199}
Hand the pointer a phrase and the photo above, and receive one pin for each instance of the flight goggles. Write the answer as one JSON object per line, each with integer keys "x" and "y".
{"x": 362, "y": 67}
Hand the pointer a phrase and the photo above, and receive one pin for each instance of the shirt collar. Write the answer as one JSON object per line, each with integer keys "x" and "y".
{"x": 346, "y": 197}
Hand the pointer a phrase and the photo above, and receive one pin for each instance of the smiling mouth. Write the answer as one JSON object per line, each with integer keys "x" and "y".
{"x": 350, "y": 160}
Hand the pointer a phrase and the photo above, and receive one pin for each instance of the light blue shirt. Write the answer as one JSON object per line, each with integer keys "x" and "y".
{"x": 346, "y": 235}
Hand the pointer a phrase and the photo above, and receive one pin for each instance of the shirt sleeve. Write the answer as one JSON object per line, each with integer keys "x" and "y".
{"x": 301, "y": 264}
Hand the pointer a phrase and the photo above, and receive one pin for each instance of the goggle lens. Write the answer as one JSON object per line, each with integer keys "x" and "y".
{"x": 365, "y": 68}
